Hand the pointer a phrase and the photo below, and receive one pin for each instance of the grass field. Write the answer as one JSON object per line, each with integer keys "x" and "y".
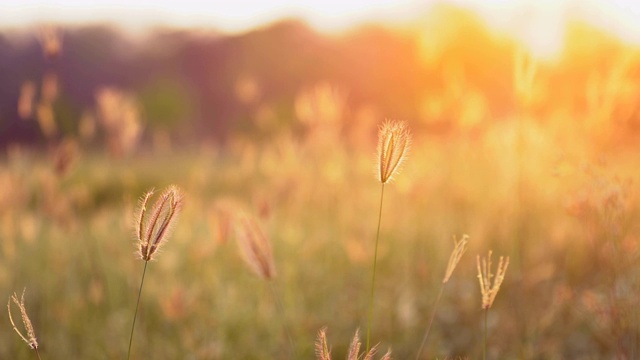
{"x": 565, "y": 215}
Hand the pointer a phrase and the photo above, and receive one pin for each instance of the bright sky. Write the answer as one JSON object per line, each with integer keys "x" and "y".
{"x": 539, "y": 23}
{"x": 226, "y": 15}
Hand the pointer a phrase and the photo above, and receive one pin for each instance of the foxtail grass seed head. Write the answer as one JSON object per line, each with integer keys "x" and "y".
{"x": 30, "y": 337}
{"x": 323, "y": 352}
{"x": 354, "y": 347}
{"x": 152, "y": 232}
{"x": 354, "y": 350}
{"x": 322, "y": 347}
{"x": 394, "y": 140}
{"x": 387, "y": 355}
{"x": 459, "y": 249}
{"x": 489, "y": 290}
{"x": 255, "y": 246}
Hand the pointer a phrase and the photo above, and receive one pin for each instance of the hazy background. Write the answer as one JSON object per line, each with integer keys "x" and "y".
{"x": 201, "y": 72}
{"x": 525, "y": 121}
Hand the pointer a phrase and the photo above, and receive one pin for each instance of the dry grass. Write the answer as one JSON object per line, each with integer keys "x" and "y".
{"x": 323, "y": 351}
{"x": 30, "y": 337}
{"x": 507, "y": 179}
{"x": 460, "y": 247}
{"x": 153, "y": 232}
{"x": 322, "y": 252}
{"x": 64, "y": 211}
{"x": 489, "y": 287}
{"x": 490, "y": 283}
{"x": 254, "y": 244}
{"x": 394, "y": 140}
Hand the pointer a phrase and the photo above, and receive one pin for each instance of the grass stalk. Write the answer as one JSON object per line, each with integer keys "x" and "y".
{"x": 38, "y": 354}
{"x": 285, "y": 323}
{"x": 373, "y": 276}
{"x": 135, "y": 314}
{"x": 458, "y": 250}
{"x": 489, "y": 286}
{"x": 30, "y": 336}
{"x": 484, "y": 346}
{"x": 153, "y": 232}
{"x": 433, "y": 315}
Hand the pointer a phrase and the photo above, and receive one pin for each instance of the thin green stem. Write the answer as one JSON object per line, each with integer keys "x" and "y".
{"x": 373, "y": 277}
{"x": 285, "y": 323}
{"x": 135, "y": 314}
{"x": 38, "y": 353}
{"x": 433, "y": 315}
{"x": 484, "y": 347}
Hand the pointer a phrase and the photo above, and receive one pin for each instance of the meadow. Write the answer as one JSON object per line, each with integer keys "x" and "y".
{"x": 568, "y": 226}
{"x": 549, "y": 182}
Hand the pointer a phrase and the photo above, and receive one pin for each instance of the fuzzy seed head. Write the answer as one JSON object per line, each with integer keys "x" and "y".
{"x": 394, "y": 140}
{"x": 322, "y": 347}
{"x": 323, "y": 352}
{"x": 30, "y": 338}
{"x": 153, "y": 231}
{"x": 387, "y": 355}
{"x": 354, "y": 347}
{"x": 255, "y": 246}
{"x": 459, "y": 249}
{"x": 354, "y": 350}
{"x": 489, "y": 290}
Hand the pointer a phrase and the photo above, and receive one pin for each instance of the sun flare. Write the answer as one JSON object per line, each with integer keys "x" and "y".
{"x": 541, "y": 25}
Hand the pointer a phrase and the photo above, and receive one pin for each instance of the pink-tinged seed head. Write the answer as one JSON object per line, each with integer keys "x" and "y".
{"x": 153, "y": 231}
{"x": 254, "y": 245}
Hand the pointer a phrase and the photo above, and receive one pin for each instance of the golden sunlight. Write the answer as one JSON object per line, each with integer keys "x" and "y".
{"x": 540, "y": 25}
{"x": 537, "y": 23}
{"x": 285, "y": 125}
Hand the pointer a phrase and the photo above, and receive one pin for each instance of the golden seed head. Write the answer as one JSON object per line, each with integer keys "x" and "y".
{"x": 324, "y": 353}
{"x": 488, "y": 290}
{"x": 322, "y": 347}
{"x": 153, "y": 232}
{"x": 354, "y": 347}
{"x": 459, "y": 249}
{"x": 255, "y": 246}
{"x": 30, "y": 338}
{"x": 354, "y": 350}
{"x": 394, "y": 140}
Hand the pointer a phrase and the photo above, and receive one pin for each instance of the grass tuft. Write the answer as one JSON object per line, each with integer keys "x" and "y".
{"x": 30, "y": 337}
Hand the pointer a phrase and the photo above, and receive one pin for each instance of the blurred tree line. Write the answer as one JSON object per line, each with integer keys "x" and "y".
{"x": 195, "y": 84}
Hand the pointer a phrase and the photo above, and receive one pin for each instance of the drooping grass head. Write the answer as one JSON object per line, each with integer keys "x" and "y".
{"x": 254, "y": 245}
